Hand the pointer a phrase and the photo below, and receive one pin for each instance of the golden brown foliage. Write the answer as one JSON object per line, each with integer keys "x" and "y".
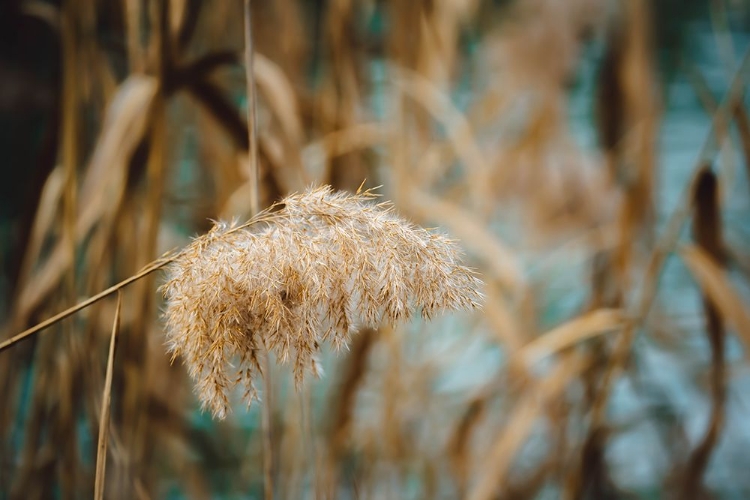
{"x": 475, "y": 117}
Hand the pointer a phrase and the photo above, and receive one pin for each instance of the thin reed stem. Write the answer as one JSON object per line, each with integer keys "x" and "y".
{"x": 148, "y": 269}
{"x": 266, "y": 415}
{"x": 252, "y": 123}
{"x": 101, "y": 447}
{"x": 69, "y": 140}
{"x": 154, "y": 266}
{"x": 252, "y": 132}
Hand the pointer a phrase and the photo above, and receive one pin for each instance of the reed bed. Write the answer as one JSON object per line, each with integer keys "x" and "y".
{"x": 607, "y": 359}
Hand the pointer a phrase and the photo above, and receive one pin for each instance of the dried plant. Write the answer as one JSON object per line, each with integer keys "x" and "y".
{"x": 318, "y": 266}
{"x": 140, "y": 133}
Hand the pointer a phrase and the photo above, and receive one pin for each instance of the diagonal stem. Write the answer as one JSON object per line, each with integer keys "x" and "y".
{"x": 154, "y": 266}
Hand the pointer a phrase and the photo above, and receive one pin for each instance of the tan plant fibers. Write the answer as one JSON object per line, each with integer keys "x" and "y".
{"x": 315, "y": 267}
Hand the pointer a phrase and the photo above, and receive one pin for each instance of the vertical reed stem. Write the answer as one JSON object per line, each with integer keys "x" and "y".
{"x": 101, "y": 447}
{"x": 252, "y": 130}
{"x": 252, "y": 123}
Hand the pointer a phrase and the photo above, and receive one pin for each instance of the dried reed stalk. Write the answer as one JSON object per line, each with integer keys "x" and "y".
{"x": 154, "y": 266}
{"x": 342, "y": 415}
{"x": 459, "y": 452}
{"x": 521, "y": 421}
{"x": 707, "y": 233}
{"x": 254, "y": 186}
{"x": 316, "y": 267}
{"x": 743, "y": 130}
{"x": 666, "y": 243}
{"x": 252, "y": 119}
{"x": 719, "y": 289}
{"x": 101, "y": 447}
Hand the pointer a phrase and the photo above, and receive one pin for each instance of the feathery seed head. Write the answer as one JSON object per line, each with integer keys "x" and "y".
{"x": 315, "y": 267}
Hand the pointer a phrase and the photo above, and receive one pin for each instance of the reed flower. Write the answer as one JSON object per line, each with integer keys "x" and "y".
{"x": 315, "y": 267}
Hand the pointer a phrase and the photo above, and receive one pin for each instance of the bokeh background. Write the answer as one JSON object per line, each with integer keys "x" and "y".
{"x": 590, "y": 155}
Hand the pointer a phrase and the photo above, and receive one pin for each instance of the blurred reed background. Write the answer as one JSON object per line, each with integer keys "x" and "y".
{"x": 591, "y": 157}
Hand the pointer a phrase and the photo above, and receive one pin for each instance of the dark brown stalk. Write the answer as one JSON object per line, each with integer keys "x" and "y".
{"x": 222, "y": 109}
{"x": 743, "y": 128}
{"x": 188, "y": 24}
{"x": 709, "y": 103}
{"x": 707, "y": 233}
{"x": 182, "y": 76}
{"x": 665, "y": 245}
{"x": 628, "y": 119}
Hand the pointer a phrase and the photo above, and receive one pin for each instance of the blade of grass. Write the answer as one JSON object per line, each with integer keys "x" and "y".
{"x": 103, "y": 187}
{"x": 43, "y": 222}
{"x": 70, "y": 153}
{"x": 132, "y": 17}
{"x": 500, "y": 259}
{"x": 576, "y": 330}
{"x": 743, "y": 130}
{"x": 718, "y": 289}
{"x": 503, "y": 323}
{"x": 458, "y": 445}
{"x": 101, "y": 447}
{"x": 520, "y": 425}
{"x": 458, "y": 129}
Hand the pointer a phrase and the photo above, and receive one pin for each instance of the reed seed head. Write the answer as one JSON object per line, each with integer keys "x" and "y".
{"x": 315, "y": 267}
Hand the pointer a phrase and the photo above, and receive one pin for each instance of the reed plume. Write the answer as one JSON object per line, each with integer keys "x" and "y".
{"x": 316, "y": 267}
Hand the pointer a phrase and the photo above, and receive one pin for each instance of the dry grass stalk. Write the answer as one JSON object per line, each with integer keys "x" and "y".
{"x": 666, "y": 243}
{"x": 505, "y": 326}
{"x": 103, "y": 187}
{"x": 343, "y": 407}
{"x": 101, "y": 447}
{"x": 322, "y": 266}
{"x": 576, "y": 330}
{"x": 71, "y": 119}
{"x": 252, "y": 119}
{"x": 520, "y": 424}
{"x": 498, "y": 258}
{"x": 154, "y": 266}
{"x": 723, "y": 136}
{"x": 718, "y": 289}
{"x": 458, "y": 449}
{"x": 254, "y": 188}
{"x": 743, "y": 130}
{"x": 707, "y": 232}
{"x": 459, "y": 131}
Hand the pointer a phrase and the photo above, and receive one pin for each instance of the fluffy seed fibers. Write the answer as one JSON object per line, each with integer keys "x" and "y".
{"x": 315, "y": 267}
